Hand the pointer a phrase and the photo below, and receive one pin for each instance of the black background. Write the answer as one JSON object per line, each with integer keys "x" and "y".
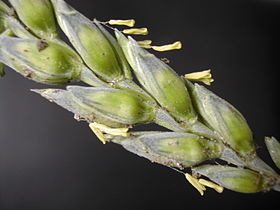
{"x": 50, "y": 161}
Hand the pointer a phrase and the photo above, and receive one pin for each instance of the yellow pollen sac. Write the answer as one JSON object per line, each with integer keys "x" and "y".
{"x": 175, "y": 46}
{"x": 202, "y": 76}
{"x": 98, "y": 133}
{"x": 129, "y": 23}
{"x": 145, "y": 44}
{"x": 210, "y": 184}
{"x": 136, "y": 31}
{"x": 109, "y": 130}
{"x": 195, "y": 183}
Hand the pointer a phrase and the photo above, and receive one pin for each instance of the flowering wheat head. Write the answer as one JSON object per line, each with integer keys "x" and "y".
{"x": 202, "y": 126}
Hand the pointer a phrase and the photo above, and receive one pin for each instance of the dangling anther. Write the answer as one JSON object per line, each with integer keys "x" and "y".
{"x": 136, "y": 31}
{"x": 129, "y": 23}
{"x": 195, "y": 183}
{"x": 145, "y": 44}
{"x": 210, "y": 184}
{"x": 175, "y": 46}
{"x": 202, "y": 76}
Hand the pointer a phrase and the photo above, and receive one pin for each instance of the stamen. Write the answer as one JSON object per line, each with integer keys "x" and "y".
{"x": 144, "y": 42}
{"x": 195, "y": 183}
{"x": 98, "y": 133}
{"x": 210, "y": 184}
{"x": 175, "y": 46}
{"x": 202, "y": 76}
{"x": 129, "y": 23}
{"x": 136, "y": 31}
{"x": 109, "y": 130}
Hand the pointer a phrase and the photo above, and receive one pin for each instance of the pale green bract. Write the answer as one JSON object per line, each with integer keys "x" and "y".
{"x": 201, "y": 126}
{"x": 37, "y": 16}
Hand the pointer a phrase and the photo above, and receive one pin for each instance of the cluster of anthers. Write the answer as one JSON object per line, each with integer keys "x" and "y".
{"x": 201, "y": 76}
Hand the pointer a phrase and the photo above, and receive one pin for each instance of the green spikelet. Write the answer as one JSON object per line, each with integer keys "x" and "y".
{"x": 37, "y": 15}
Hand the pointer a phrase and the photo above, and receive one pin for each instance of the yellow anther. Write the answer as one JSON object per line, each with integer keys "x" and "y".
{"x": 136, "y": 31}
{"x": 98, "y": 133}
{"x": 175, "y": 46}
{"x": 129, "y": 23}
{"x": 145, "y": 44}
{"x": 210, "y": 184}
{"x": 109, "y": 130}
{"x": 195, "y": 183}
{"x": 202, "y": 76}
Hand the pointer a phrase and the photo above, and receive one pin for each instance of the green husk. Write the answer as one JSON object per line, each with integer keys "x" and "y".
{"x": 121, "y": 57}
{"x": 225, "y": 119}
{"x": 18, "y": 29}
{"x": 273, "y": 147}
{"x": 4, "y": 7}
{"x": 159, "y": 80}
{"x": 43, "y": 61}
{"x": 174, "y": 149}
{"x": 38, "y": 16}
{"x": 236, "y": 179}
{"x": 2, "y": 29}
{"x": 2, "y": 72}
{"x": 95, "y": 47}
{"x": 3, "y": 24}
{"x": 103, "y": 105}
